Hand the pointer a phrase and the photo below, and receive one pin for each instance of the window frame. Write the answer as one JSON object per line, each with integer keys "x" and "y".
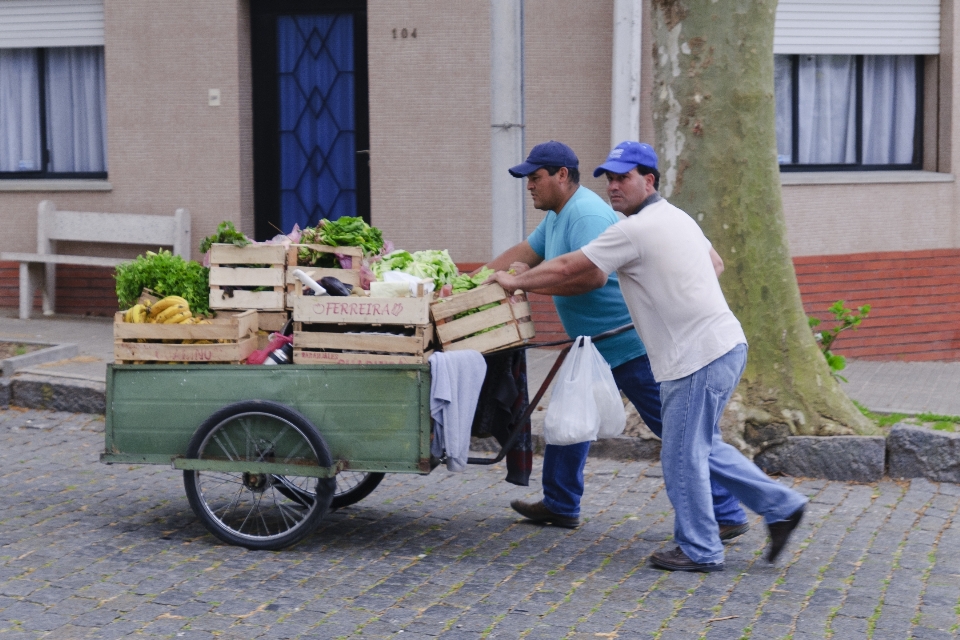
{"x": 45, "y": 173}
{"x": 795, "y": 166}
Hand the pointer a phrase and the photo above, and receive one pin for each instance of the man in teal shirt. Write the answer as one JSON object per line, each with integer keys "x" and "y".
{"x": 575, "y": 217}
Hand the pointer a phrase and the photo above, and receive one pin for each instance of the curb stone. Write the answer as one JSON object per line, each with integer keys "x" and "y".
{"x": 844, "y": 458}
{"x": 52, "y": 353}
{"x": 41, "y": 392}
{"x": 916, "y": 452}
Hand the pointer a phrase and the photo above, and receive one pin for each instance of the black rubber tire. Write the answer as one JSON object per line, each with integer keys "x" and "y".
{"x": 232, "y": 506}
{"x": 346, "y": 496}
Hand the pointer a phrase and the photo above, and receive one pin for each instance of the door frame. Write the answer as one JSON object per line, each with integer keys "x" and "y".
{"x": 266, "y": 116}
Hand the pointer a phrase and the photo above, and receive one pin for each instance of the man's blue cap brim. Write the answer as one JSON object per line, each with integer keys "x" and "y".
{"x": 614, "y": 166}
{"x": 523, "y": 169}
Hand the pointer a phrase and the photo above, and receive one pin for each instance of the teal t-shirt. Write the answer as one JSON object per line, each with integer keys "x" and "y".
{"x": 582, "y": 219}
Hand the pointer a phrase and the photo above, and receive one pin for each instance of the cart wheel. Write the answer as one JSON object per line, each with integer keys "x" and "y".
{"x": 354, "y": 486}
{"x": 256, "y": 510}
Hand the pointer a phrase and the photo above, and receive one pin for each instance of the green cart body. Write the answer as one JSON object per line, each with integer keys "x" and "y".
{"x": 283, "y": 434}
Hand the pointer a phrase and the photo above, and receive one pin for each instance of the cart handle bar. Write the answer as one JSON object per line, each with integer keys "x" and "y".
{"x": 518, "y": 425}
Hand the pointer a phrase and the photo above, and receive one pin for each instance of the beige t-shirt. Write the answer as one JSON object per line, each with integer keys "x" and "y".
{"x": 667, "y": 278}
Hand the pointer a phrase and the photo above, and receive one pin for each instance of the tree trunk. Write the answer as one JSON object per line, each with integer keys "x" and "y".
{"x": 716, "y": 139}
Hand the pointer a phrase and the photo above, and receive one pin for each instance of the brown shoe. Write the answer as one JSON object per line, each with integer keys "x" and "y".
{"x": 538, "y": 512}
{"x": 677, "y": 560}
{"x": 730, "y": 531}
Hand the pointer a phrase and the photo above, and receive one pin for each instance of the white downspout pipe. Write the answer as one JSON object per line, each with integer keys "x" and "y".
{"x": 506, "y": 120}
{"x": 625, "y": 95}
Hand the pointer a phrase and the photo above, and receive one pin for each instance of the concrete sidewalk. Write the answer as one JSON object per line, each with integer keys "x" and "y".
{"x": 888, "y": 387}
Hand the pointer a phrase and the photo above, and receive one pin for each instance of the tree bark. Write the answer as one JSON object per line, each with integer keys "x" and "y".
{"x": 716, "y": 139}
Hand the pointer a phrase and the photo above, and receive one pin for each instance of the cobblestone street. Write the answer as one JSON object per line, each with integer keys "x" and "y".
{"x": 95, "y": 551}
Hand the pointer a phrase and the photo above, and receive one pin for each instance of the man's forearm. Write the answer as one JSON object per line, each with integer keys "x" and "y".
{"x": 567, "y": 275}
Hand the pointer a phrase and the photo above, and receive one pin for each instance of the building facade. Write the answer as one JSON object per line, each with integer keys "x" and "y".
{"x": 275, "y": 113}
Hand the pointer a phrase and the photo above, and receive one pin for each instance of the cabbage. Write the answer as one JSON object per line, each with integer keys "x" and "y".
{"x": 429, "y": 263}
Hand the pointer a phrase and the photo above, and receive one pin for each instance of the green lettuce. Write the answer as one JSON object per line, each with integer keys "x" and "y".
{"x": 347, "y": 231}
{"x": 429, "y": 263}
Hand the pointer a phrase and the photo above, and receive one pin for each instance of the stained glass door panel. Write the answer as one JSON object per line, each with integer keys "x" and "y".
{"x": 317, "y": 118}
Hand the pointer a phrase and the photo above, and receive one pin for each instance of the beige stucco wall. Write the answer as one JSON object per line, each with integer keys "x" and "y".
{"x": 567, "y": 82}
{"x": 165, "y": 147}
{"x": 430, "y": 125}
{"x": 862, "y": 218}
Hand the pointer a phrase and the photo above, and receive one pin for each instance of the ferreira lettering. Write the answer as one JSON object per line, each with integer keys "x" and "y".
{"x": 336, "y": 308}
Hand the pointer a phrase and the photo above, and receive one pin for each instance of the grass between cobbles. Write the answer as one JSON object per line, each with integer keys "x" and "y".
{"x": 935, "y": 421}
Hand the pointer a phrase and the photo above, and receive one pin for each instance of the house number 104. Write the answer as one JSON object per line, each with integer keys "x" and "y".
{"x": 404, "y": 33}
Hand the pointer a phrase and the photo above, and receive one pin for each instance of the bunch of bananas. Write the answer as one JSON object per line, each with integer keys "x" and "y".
{"x": 169, "y": 310}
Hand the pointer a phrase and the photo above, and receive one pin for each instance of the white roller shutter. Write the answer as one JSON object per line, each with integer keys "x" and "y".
{"x": 50, "y": 23}
{"x": 864, "y": 27}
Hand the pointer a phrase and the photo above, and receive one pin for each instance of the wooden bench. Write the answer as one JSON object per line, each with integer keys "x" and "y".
{"x": 38, "y": 270}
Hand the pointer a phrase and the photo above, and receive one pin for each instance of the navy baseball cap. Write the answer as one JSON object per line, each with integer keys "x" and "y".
{"x": 627, "y": 155}
{"x": 546, "y": 154}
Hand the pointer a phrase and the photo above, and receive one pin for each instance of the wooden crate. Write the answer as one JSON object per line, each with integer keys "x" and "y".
{"x": 272, "y": 321}
{"x": 315, "y": 343}
{"x": 164, "y": 342}
{"x": 512, "y": 312}
{"x": 235, "y": 271}
{"x": 350, "y": 277}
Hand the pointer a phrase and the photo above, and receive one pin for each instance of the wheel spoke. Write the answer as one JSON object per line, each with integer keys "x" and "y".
{"x": 262, "y": 511}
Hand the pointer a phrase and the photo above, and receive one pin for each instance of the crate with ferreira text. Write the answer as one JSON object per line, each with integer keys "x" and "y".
{"x": 226, "y": 339}
{"x": 250, "y": 277}
{"x": 483, "y": 319}
{"x": 350, "y": 259}
{"x": 360, "y": 329}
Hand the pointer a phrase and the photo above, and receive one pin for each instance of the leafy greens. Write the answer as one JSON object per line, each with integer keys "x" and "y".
{"x": 165, "y": 274}
{"x": 226, "y": 234}
{"x": 347, "y": 231}
{"x": 429, "y": 263}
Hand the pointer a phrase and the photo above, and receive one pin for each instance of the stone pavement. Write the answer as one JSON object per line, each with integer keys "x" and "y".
{"x": 95, "y": 551}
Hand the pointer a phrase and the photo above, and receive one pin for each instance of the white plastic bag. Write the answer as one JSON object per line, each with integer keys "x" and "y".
{"x": 585, "y": 402}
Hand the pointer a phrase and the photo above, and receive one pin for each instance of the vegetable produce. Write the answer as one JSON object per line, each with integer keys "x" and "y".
{"x": 334, "y": 287}
{"x": 466, "y": 283}
{"x": 226, "y": 234}
{"x": 165, "y": 274}
{"x": 422, "y": 264}
{"x": 347, "y": 231}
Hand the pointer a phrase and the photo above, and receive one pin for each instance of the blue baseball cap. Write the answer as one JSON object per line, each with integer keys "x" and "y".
{"x": 546, "y": 154}
{"x": 627, "y": 155}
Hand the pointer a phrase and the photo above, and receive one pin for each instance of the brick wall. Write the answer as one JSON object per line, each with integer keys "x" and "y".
{"x": 914, "y": 298}
{"x": 80, "y": 290}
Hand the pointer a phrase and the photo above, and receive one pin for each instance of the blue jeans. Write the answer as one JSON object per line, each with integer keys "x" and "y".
{"x": 694, "y": 453}
{"x": 563, "y": 465}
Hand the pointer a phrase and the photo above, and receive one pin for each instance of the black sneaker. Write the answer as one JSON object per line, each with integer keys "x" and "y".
{"x": 780, "y": 532}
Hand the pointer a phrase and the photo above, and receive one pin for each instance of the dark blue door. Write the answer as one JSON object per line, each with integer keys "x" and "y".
{"x": 309, "y": 132}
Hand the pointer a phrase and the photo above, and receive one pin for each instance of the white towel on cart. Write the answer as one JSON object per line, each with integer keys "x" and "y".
{"x": 457, "y": 377}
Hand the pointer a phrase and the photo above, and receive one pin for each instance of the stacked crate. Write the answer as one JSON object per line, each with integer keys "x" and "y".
{"x": 462, "y": 323}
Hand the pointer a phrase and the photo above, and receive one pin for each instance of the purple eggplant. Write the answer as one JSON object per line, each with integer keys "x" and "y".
{"x": 334, "y": 287}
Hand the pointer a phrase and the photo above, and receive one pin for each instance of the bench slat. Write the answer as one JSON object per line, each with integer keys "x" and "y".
{"x": 114, "y": 228}
{"x": 90, "y": 261}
